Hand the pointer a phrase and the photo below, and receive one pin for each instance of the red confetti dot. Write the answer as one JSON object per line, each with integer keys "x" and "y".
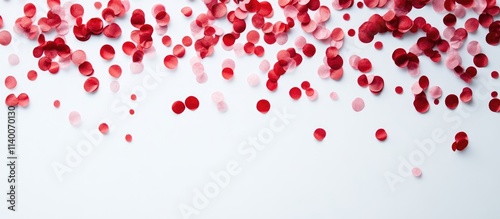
{"x": 461, "y": 141}
{"x": 95, "y": 26}
{"x": 309, "y": 50}
{"x": 346, "y": 16}
{"x": 471, "y": 25}
{"x": 187, "y": 41}
{"x": 466, "y": 95}
{"x": 128, "y": 138}
{"x": 494, "y": 105}
{"x": 421, "y": 104}
{"x": 227, "y": 73}
{"x": 377, "y": 84}
{"x": 131, "y": 112}
{"x": 107, "y": 52}
{"x": 494, "y": 94}
{"x": 133, "y": 97}
{"x": 5, "y": 38}
{"x": 29, "y": 10}
{"x": 57, "y": 103}
{"x": 351, "y": 32}
{"x": 187, "y": 11}
{"x": 104, "y": 128}
{"x": 423, "y": 82}
{"x": 319, "y": 134}
{"x": 86, "y": 68}
{"x": 364, "y": 65}
{"x": 166, "y": 40}
{"x": 115, "y": 71}
{"x": 381, "y": 134}
{"x": 76, "y": 10}
{"x": 263, "y": 106}
{"x": 192, "y": 103}
{"x": 399, "y": 90}
{"x": 179, "y": 51}
{"x": 494, "y": 74}
{"x": 305, "y": 85}
{"x": 32, "y": 75}
{"x": 11, "y": 100}
{"x": 170, "y": 62}
{"x": 480, "y": 60}
{"x": 295, "y": 93}
{"x": 449, "y": 20}
{"x": 23, "y": 99}
{"x": 91, "y": 84}
{"x": 113, "y": 30}
{"x": 451, "y": 101}
{"x": 378, "y": 45}
{"x": 178, "y": 107}
{"x": 10, "y": 82}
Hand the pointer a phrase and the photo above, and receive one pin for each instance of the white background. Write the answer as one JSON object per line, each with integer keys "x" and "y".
{"x": 295, "y": 176}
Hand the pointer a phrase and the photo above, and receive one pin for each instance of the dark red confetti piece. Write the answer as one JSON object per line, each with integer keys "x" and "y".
{"x": 192, "y": 103}
{"x": 263, "y": 106}
{"x": 480, "y": 60}
{"x": 178, "y": 107}
{"x": 451, "y": 101}
{"x": 319, "y": 134}
{"x": 309, "y": 50}
{"x": 364, "y": 65}
{"x": 295, "y": 93}
{"x": 494, "y": 74}
{"x": 399, "y": 90}
{"x": 381, "y": 134}
{"x": 421, "y": 104}
{"x": 494, "y": 105}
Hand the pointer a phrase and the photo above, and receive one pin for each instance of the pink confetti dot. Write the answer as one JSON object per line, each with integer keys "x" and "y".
{"x": 253, "y": 80}
{"x": 222, "y": 106}
{"x": 358, "y": 104}
{"x": 10, "y": 82}
{"x": 416, "y": 172}
{"x": 334, "y": 96}
{"x": 74, "y": 118}
{"x": 13, "y": 59}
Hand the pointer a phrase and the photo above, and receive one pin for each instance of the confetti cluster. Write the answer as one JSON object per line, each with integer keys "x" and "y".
{"x": 252, "y": 32}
